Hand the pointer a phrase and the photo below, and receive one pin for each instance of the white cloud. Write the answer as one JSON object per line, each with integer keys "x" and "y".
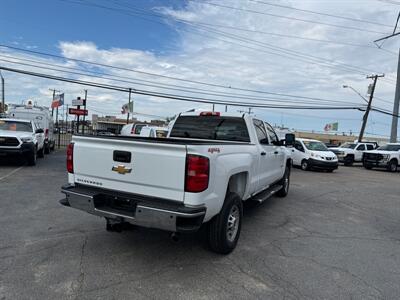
{"x": 205, "y": 56}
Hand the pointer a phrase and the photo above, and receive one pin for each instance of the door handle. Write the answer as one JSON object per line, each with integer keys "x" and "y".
{"x": 292, "y": 150}
{"x": 263, "y": 153}
{"x": 276, "y": 152}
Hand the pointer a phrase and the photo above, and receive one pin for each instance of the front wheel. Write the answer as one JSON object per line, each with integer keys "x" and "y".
{"x": 32, "y": 157}
{"x": 40, "y": 153}
{"x": 392, "y": 166}
{"x": 304, "y": 165}
{"x": 224, "y": 229}
{"x": 348, "y": 161}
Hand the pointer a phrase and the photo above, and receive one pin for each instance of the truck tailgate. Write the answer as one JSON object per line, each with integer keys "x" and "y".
{"x": 157, "y": 169}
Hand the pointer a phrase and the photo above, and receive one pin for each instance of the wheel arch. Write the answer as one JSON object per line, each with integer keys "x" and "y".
{"x": 238, "y": 183}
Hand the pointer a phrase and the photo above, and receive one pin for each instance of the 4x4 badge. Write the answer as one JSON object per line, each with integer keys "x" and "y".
{"x": 121, "y": 169}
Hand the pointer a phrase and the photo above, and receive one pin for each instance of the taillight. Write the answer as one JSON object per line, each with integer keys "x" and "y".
{"x": 47, "y": 132}
{"x": 70, "y": 158}
{"x": 197, "y": 173}
{"x": 210, "y": 113}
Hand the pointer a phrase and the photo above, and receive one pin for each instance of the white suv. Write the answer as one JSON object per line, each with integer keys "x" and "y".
{"x": 387, "y": 156}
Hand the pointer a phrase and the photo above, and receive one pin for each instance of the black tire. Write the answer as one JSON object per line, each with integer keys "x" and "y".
{"x": 224, "y": 229}
{"x": 285, "y": 182}
{"x": 349, "y": 160}
{"x": 32, "y": 157}
{"x": 40, "y": 153}
{"x": 304, "y": 165}
{"x": 392, "y": 166}
{"x": 47, "y": 149}
{"x": 367, "y": 166}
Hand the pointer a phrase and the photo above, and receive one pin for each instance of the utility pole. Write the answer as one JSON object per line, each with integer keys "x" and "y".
{"x": 213, "y": 107}
{"x": 3, "y": 107}
{"x": 84, "y": 107}
{"x": 371, "y": 96}
{"x": 129, "y": 105}
{"x": 396, "y": 104}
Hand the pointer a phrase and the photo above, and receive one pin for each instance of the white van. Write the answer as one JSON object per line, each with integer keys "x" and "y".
{"x": 132, "y": 129}
{"x": 40, "y": 116}
{"x": 156, "y": 132}
{"x": 313, "y": 154}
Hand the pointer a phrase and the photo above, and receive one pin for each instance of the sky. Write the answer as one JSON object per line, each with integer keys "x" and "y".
{"x": 247, "y": 48}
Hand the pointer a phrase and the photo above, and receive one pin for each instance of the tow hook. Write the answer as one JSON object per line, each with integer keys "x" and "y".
{"x": 175, "y": 236}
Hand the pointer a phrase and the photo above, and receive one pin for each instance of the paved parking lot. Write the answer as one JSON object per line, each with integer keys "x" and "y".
{"x": 336, "y": 236}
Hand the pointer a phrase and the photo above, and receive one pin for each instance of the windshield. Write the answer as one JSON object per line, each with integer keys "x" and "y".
{"x": 316, "y": 146}
{"x": 390, "y": 147}
{"x": 15, "y": 126}
{"x": 348, "y": 145}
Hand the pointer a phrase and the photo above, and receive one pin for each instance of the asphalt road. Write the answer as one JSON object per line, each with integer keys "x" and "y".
{"x": 336, "y": 236}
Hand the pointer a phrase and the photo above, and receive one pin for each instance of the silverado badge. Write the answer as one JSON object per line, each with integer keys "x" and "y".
{"x": 121, "y": 169}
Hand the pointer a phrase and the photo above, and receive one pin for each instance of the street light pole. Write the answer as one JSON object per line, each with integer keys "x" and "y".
{"x": 3, "y": 108}
{"x": 357, "y": 92}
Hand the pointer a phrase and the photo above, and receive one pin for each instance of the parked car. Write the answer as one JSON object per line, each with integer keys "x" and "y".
{"x": 202, "y": 173}
{"x": 132, "y": 129}
{"x": 387, "y": 156}
{"x": 21, "y": 137}
{"x": 152, "y": 131}
{"x": 313, "y": 154}
{"x": 348, "y": 153}
{"x": 40, "y": 116}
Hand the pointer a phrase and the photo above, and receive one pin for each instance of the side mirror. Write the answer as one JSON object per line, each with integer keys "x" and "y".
{"x": 264, "y": 141}
{"x": 289, "y": 139}
{"x": 40, "y": 130}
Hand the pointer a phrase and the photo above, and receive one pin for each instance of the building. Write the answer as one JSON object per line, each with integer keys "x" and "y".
{"x": 114, "y": 125}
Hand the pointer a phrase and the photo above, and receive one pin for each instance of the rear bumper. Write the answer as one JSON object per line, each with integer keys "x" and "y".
{"x": 323, "y": 165}
{"x": 135, "y": 209}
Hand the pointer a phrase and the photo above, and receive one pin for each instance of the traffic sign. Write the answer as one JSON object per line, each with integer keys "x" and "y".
{"x": 79, "y": 112}
{"x": 78, "y": 102}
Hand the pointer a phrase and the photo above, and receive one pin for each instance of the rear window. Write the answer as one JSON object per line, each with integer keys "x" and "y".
{"x": 211, "y": 128}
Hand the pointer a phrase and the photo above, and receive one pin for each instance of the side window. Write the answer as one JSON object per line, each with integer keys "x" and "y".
{"x": 298, "y": 146}
{"x": 260, "y": 130}
{"x": 370, "y": 147}
{"x": 271, "y": 134}
{"x": 361, "y": 147}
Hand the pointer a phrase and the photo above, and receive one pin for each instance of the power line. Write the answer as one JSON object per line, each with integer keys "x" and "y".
{"x": 174, "y": 96}
{"x": 278, "y": 50}
{"x": 185, "y": 90}
{"x": 286, "y": 52}
{"x": 322, "y": 14}
{"x": 156, "y": 75}
{"x": 289, "y": 18}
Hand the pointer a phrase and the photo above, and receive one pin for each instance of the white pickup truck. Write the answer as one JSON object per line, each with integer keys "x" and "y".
{"x": 210, "y": 163}
{"x": 22, "y": 138}
{"x": 387, "y": 156}
{"x": 349, "y": 153}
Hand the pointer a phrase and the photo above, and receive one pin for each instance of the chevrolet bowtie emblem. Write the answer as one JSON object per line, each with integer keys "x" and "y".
{"x": 121, "y": 169}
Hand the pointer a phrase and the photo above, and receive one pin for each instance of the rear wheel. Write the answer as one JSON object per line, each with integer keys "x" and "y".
{"x": 47, "y": 149}
{"x": 224, "y": 229}
{"x": 285, "y": 182}
{"x": 392, "y": 166}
